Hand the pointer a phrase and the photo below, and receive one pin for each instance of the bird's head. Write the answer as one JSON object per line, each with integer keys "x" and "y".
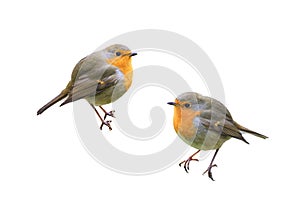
{"x": 186, "y": 108}
{"x": 118, "y": 55}
{"x": 188, "y": 101}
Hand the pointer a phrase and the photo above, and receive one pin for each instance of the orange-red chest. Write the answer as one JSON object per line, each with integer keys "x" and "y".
{"x": 183, "y": 122}
{"x": 124, "y": 64}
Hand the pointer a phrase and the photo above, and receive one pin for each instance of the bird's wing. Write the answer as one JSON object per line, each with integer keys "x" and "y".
{"x": 90, "y": 77}
{"x": 231, "y": 127}
{"x": 220, "y": 123}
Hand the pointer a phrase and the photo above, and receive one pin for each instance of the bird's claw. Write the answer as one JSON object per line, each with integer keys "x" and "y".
{"x": 106, "y": 123}
{"x": 111, "y": 114}
{"x": 209, "y": 171}
{"x": 187, "y": 163}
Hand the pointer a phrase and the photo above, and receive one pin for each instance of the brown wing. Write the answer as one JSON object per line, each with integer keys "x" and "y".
{"x": 220, "y": 123}
{"x": 91, "y": 76}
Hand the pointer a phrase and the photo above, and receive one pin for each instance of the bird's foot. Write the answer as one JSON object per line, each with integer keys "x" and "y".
{"x": 110, "y": 113}
{"x": 209, "y": 171}
{"x": 106, "y": 123}
{"x": 187, "y": 163}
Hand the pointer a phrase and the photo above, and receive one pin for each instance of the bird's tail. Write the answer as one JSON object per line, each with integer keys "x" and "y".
{"x": 242, "y": 128}
{"x": 62, "y": 95}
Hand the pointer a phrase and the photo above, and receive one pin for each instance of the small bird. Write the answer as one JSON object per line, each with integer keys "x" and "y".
{"x": 205, "y": 124}
{"x": 101, "y": 78}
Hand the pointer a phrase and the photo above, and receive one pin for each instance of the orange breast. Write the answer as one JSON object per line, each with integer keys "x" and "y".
{"x": 124, "y": 64}
{"x": 177, "y": 118}
{"x": 183, "y": 122}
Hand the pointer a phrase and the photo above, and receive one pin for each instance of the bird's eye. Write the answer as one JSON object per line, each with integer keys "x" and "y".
{"x": 118, "y": 53}
{"x": 187, "y": 105}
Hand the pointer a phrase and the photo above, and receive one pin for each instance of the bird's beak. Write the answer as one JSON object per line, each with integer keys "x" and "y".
{"x": 172, "y": 103}
{"x": 132, "y": 54}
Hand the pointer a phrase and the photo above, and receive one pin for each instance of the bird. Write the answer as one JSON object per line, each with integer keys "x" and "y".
{"x": 100, "y": 78}
{"x": 205, "y": 124}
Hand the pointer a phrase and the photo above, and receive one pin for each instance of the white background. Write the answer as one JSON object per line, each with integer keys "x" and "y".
{"x": 254, "y": 45}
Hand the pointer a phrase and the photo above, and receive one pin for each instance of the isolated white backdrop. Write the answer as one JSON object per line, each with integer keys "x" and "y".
{"x": 254, "y": 45}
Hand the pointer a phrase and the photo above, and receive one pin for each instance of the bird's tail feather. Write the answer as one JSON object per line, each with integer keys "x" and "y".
{"x": 242, "y": 128}
{"x": 62, "y": 95}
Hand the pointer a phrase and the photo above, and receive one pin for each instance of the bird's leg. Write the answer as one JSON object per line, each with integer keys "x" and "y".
{"x": 187, "y": 162}
{"x": 110, "y": 113}
{"x": 106, "y": 123}
{"x": 211, "y": 165}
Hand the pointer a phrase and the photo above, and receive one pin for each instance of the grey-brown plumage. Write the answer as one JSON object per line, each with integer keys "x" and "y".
{"x": 205, "y": 124}
{"x": 100, "y": 78}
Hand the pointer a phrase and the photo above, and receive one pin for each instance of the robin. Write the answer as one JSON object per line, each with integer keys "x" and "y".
{"x": 101, "y": 78}
{"x": 205, "y": 124}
